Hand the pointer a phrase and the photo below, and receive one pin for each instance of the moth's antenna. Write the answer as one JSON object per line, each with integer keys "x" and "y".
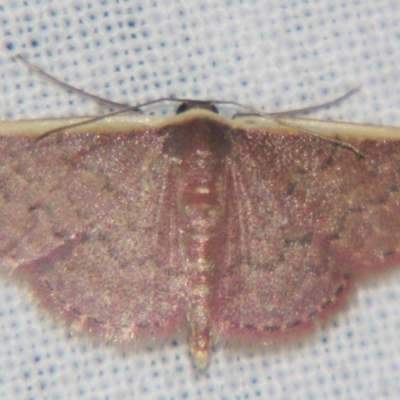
{"x": 302, "y": 110}
{"x": 66, "y": 86}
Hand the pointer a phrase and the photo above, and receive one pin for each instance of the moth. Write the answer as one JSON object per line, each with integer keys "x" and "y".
{"x": 250, "y": 229}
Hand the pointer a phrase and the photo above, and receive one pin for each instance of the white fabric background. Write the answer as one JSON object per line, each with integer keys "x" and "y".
{"x": 273, "y": 55}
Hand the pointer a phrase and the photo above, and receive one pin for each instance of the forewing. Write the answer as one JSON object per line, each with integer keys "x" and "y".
{"x": 83, "y": 219}
{"x": 305, "y": 216}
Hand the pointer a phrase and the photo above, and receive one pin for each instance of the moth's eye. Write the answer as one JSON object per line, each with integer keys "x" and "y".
{"x": 182, "y": 108}
{"x": 214, "y": 109}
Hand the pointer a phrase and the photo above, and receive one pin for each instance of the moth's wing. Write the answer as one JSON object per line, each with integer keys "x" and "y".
{"x": 304, "y": 216}
{"x": 83, "y": 219}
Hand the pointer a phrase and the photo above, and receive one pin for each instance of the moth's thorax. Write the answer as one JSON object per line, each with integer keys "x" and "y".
{"x": 202, "y": 206}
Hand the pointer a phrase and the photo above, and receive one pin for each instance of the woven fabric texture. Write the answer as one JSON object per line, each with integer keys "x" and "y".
{"x": 272, "y": 55}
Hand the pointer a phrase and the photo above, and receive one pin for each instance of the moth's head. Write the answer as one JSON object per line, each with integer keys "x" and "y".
{"x": 191, "y": 104}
